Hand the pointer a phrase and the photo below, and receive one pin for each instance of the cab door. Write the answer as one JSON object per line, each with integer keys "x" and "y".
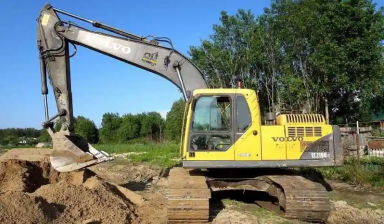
{"x": 247, "y": 128}
{"x": 211, "y": 132}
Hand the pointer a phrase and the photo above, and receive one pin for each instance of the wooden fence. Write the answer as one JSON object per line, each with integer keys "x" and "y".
{"x": 368, "y": 145}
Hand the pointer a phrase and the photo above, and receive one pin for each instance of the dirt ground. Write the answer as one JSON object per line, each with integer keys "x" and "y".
{"x": 32, "y": 192}
{"x": 120, "y": 192}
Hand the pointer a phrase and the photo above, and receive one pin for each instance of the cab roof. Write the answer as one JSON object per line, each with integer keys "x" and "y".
{"x": 222, "y": 91}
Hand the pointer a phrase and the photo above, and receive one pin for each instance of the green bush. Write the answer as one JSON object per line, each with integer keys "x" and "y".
{"x": 173, "y": 123}
{"x": 357, "y": 172}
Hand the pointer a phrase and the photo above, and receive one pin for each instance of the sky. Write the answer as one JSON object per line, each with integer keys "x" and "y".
{"x": 101, "y": 84}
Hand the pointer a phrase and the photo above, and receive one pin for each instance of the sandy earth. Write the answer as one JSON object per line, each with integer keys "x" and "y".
{"x": 114, "y": 192}
{"x": 30, "y": 154}
{"x": 342, "y": 213}
{"x": 32, "y": 192}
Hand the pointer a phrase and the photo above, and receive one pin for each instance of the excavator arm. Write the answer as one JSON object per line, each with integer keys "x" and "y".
{"x": 54, "y": 36}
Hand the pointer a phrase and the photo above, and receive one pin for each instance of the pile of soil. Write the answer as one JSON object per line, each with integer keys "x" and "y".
{"x": 30, "y": 154}
{"x": 342, "y": 213}
{"x": 33, "y": 192}
{"x": 117, "y": 173}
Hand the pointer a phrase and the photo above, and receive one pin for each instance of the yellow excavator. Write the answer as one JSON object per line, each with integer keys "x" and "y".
{"x": 224, "y": 145}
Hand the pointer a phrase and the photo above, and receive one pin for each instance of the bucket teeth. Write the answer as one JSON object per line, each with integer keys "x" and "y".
{"x": 75, "y": 165}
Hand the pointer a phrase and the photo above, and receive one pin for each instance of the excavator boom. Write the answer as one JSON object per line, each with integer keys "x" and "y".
{"x": 53, "y": 38}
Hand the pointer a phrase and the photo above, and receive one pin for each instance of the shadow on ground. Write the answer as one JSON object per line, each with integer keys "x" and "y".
{"x": 258, "y": 198}
{"x": 135, "y": 186}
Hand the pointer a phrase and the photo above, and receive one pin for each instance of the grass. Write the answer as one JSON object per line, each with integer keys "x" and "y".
{"x": 167, "y": 155}
{"x": 162, "y": 154}
{"x": 358, "y": 200}
{"x": 2, "y": 150}
{"x": 357, "y": 172}
{"x": 368, "y": 160}
{"x": 263, "y": 215}
{"x": 16, "y": 147}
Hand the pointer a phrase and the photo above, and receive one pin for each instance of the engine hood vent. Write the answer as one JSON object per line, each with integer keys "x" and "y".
{"x": 285, "y": 119}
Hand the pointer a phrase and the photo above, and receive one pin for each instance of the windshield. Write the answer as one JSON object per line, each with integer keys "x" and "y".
{"x": 212, "y": 113}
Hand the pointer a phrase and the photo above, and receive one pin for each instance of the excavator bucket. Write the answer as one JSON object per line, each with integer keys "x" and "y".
{"x": 73, "y": 152}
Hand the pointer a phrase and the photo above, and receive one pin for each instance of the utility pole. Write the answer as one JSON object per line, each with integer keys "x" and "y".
{"x": 358, "y": 141}
{"x": 326, "y": 111}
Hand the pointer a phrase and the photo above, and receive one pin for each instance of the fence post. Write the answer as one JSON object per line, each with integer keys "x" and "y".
{"x": 357, "y": 141}
{"x": 326, "y": 111}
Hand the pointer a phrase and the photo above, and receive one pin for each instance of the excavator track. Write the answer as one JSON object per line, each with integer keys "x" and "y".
{"x": 293, "y": 196}
{"x": 189, "y": 192}
{"x": 187, "y": 196}
{"x": 299, "y": 197}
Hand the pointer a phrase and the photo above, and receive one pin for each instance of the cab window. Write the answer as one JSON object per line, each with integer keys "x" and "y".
{"x": 243, "y": 116}
{"x": 212, "y": 113}
{"x": 211, "y": 124}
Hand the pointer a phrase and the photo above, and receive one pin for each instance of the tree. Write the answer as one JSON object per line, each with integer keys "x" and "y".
{"x": 14, "y": 135}
{"x": 173, "y": 122}
{"x": 44, "y": 136}
{"x": 245, "y": 47}
{"x": 227, "y": 54}
{"x": 335, "y": 53}
{"x": 146, "y": 125}
{"x": 110, "y": 123}
{"x": 87, "y": 129}
{"x": 152, "y": 125}
{"x": 129, "y": 129}
{"x": 358, "y": 31}
{"x": 306, "y": 54}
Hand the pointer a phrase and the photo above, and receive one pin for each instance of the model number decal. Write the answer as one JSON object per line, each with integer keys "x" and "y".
{"x": 245, "y": 154}
{"x": 288, "y": 139}
{"x": 319, "y": 155}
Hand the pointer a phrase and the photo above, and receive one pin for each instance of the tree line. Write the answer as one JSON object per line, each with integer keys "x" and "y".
{"x": 150, "y": 126}
{"x": 16, "y": 135}
{"x": 311, "y": 55}
{"x": 114, "y": 128}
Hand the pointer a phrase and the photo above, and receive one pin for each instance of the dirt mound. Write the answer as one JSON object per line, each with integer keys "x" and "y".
{"x": 94, "y": 199}
{"x": 29, "y": 154}
{"x": 117, "y": 173}
{"x": 33, "y": 192}
{"x": 18, "y": 207}
{"x": 26, "y": 176}
{"x": 344, "y": 213}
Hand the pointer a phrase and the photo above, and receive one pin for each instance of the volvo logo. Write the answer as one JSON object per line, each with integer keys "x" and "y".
{"x": 287, "y": 139}
{"x": 104, "y": 42}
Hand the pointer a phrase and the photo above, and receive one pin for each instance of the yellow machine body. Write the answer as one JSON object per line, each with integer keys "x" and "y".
{"x": 223, "y": 129}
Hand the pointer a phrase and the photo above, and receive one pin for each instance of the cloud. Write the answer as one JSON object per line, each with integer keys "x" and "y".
{"x": 163, "y": 113}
